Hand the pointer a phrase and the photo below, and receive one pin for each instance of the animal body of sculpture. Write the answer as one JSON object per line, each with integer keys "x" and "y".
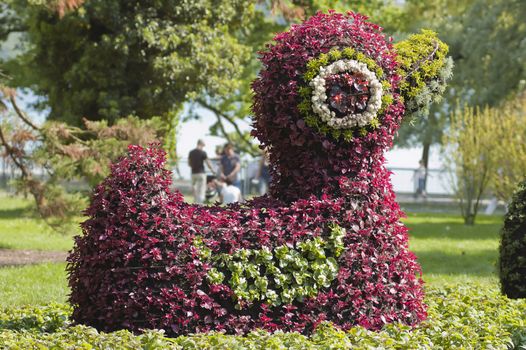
{"x": 326, "y": 245}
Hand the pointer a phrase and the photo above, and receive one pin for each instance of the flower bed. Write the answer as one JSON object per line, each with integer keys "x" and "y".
{"x": 327, "y": 245}
{"x": 149, "y": 260}
{"x": 460, "y": 317}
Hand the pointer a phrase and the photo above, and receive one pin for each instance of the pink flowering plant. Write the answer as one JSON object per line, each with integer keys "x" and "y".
{"x": 326, "y": 244}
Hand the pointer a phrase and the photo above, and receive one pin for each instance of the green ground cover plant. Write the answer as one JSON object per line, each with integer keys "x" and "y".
{"x": 460, "y": 317}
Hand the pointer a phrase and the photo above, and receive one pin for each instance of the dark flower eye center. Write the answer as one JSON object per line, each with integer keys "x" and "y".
{"x": 348, "y": 93}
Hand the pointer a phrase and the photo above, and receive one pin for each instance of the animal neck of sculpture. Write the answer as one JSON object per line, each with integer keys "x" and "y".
{"x": 324, "y": 172}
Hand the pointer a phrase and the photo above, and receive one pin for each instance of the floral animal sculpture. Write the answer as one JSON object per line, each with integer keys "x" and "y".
{"x": 326, "y": 245}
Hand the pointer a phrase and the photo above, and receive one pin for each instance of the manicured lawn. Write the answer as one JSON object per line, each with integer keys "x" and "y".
{"x": 451, "y": 252}
{"x": 448, "y": 251}
{"x": 33, "y": 284}
{"x": 21, "y": 229}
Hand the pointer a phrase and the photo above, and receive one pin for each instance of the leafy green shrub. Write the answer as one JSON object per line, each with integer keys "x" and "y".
{"x": 48, "y": 318}
{"x": 512, "y": 257}
{"x": 423, "y": 61}
{"x": 83, "y": 337}
{"x": 460, "y": 317}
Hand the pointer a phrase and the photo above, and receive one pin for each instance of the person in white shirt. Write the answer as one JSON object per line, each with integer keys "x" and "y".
{"x": 230, "y": 193}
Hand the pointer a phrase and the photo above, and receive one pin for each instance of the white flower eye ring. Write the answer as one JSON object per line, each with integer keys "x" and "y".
{"x": 346, "y": 94}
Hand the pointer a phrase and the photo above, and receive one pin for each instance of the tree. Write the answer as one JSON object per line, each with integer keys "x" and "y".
{"x": 109, "y": 59}
{"x": 387, "y": 13}
{"x": 485, "y": 42}
{"x": 470, "y": 158}
{"x": 444, "y": 17}
{"x": 113, "y": 63}
{"x": 491, "y": 61}
{"x": 510, "y": 149}
{"x": 65, "y": 153}
{"x": 231, "y": 109}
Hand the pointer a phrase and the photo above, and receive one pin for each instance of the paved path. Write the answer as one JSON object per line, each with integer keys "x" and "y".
{"x": 10, "y": 257}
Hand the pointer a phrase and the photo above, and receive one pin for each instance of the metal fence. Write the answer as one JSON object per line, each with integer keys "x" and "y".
{"x": 402, "y": 178}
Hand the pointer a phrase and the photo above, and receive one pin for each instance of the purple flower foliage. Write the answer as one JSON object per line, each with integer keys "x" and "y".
{"x": 303, "y": 161}
{"x": 137, "y": 265}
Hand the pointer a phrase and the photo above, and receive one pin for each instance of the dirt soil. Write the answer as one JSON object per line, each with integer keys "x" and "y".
{"x": 9, "y": 257}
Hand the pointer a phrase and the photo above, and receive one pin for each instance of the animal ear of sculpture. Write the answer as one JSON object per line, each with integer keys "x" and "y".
{"x": 425, "y": 69}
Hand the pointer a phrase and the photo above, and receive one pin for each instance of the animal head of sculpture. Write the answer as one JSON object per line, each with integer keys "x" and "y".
{"x": 331, "y": 95}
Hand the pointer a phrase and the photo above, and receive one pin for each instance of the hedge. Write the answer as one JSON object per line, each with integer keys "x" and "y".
{"x": 146, "y": 259}
{"x": 460, "y": 317}
{"x": 512, "y": 252}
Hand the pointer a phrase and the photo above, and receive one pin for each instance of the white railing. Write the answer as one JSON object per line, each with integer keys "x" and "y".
{"x": 402, "y": 178}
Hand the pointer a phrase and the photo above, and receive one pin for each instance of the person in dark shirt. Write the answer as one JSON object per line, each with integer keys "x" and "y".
{"x": 196, "y": 159}
{"x": 230, "y": 165}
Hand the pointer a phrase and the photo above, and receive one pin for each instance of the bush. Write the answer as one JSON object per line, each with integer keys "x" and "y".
{"x": 327, "y": 245}
{"x": 512, "y": 258}
{"x": 460, "y": 317}
{"x": 148, "y": 260}
{"x": 48, "y": 318}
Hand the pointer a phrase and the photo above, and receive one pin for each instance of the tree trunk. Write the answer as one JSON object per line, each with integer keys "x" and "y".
{"x": 469, "y": 219}
{"x": 425, "y": 157}
{"x": 470, "y": 214}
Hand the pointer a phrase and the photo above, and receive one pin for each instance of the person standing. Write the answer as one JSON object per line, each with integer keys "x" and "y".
{"x": 420, "y": 178}
{"x": 196, "y": 159}
{"x": 216, "y": 161}
{"x": 230, "y": 165}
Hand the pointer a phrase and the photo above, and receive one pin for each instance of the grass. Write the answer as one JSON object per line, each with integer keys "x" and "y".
{"x": 33, "y": 284}
{"x": 20, "y": 228}
{"x": 448, "y": 251}
{"x": 451, "y": 252}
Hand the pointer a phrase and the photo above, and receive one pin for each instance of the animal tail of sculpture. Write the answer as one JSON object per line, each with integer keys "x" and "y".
{"x": 425, "y": 69}
{"x": 130, "y": 223}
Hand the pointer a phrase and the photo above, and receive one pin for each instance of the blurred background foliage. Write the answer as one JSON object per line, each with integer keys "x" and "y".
{"x": 95, "y": 60}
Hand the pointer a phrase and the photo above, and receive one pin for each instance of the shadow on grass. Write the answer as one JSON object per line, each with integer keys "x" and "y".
{"x": 16, "y": 213}
{"x": 480, "y": 263}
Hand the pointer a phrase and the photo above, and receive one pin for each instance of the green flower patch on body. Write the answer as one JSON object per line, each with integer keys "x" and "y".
{"x": 313, "y": 69}
{"x": 281, "y": 275}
